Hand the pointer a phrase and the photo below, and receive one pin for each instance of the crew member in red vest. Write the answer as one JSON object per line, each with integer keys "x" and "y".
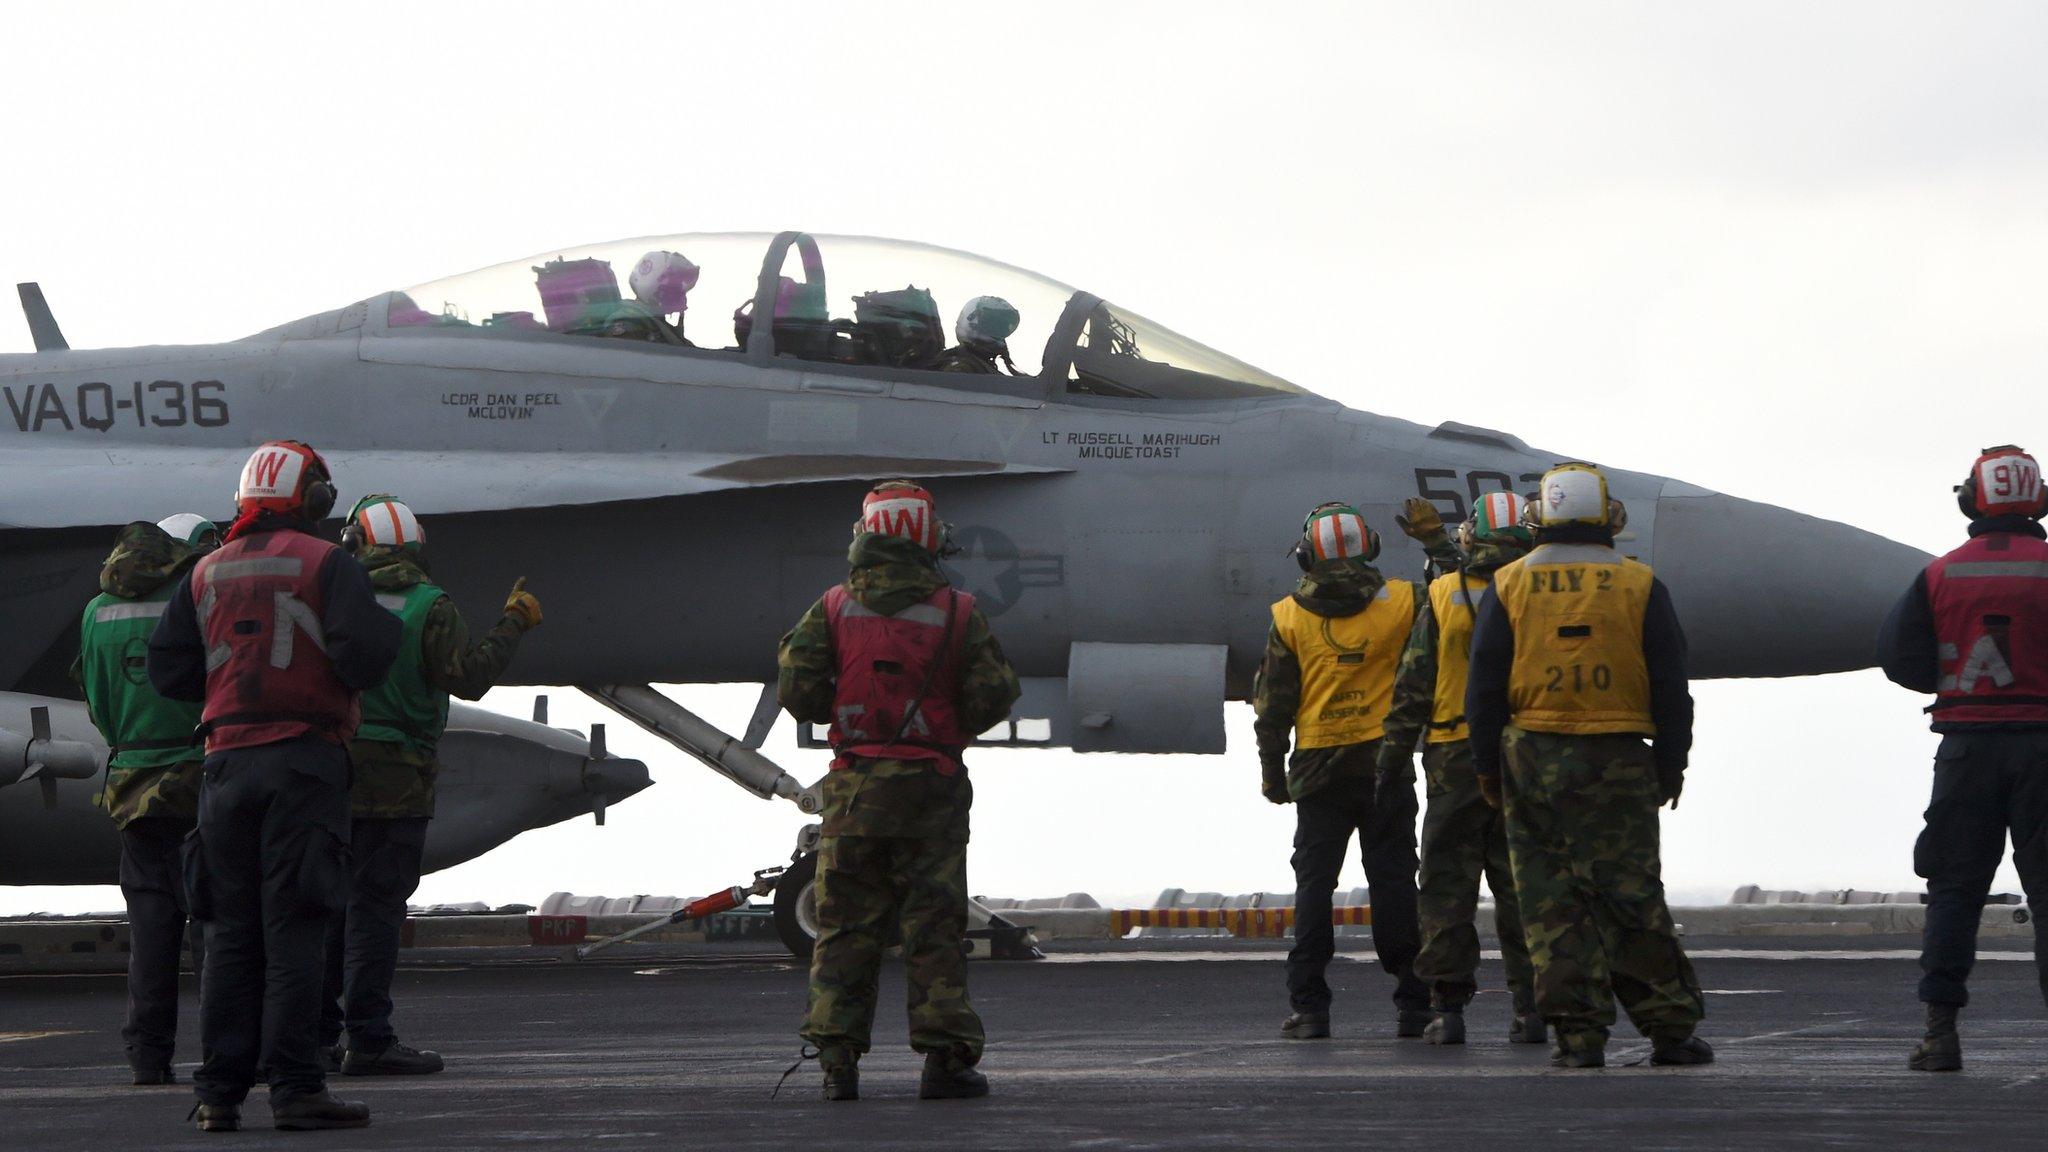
{"x": 1973, "y": 630}
{"x": 276, "y": 633}
{"x": 903, "y": 668}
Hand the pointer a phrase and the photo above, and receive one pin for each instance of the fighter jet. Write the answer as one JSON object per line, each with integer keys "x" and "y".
{"x": 668, "y": 437}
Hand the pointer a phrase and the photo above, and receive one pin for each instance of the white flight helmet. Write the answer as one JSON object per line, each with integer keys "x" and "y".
{"x": 1576, "y": 493}
{"x": 662, "y": 281}
{"x": 189, "y": 528}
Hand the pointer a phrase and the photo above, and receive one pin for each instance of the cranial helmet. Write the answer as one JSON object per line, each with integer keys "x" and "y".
{"x": 1574, "y": 493}
{"x": 901, "y": 508}
{"x": 1335, "y": 531}
{"x": 2005, "y": 481}
{"x": 382, "y": 521}
{"x": 286, "y": 476}
{"x": 191, "y": 528}
{"x": 662, "y": 281}
{"x": 985, "y": 322}
{"x": 1497, "y": 517}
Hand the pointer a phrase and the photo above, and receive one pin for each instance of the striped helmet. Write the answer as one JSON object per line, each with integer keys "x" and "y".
{"x": 1336, "y": 531}
{"x": 381, "y": 521}
{"x": 1497, "y": 518}
{"x": 901, "y": 508}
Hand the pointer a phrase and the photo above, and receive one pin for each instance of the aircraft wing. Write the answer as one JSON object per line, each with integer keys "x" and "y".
{"x": 62, "y": 487}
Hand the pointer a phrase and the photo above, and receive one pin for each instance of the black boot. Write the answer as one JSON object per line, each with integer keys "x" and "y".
{"x": 1412, "y": 1022}
{"x": 947, "y": 1078}
{"x": 155, "y": 1074}
{"x": 1941, "y": 1050}
{"x": 393, "y": 1059}
{"x": 217, "y": 1117}
{"x": 842, "y": 1081}
{"x": 319, "y": 1110}
{"x": 1564, "y": 1056}
{"x": 1528, "y": 1028}
{"x": 1447, "y": 1028}
{"x": 1680, "y": 1051}
{"x": 1306, "y": 1026}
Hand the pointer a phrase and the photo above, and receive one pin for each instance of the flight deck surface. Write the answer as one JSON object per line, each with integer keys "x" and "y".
{"x": 1169, "y": 1045}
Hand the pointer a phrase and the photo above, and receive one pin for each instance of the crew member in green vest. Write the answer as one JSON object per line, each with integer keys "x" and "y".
{"x": 152, "y": 786}
{"x": 395, "y": 767}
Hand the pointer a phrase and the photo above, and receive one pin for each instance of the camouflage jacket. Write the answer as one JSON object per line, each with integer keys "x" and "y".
{"x": 1331, "y": 588}
{"x": 145, "y": 559}
{"x": 893, "y": 797}
{"x": 1415, "y": 680}
{"x": 393, "y": 781}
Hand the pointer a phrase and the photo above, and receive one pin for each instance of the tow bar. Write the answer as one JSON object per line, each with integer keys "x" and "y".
{"x": 702, "y": 906}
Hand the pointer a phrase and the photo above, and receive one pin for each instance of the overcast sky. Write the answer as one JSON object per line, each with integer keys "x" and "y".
{"x": 1794, "y": 253}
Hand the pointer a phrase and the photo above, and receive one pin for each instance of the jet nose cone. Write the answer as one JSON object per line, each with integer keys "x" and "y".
{"x": 613, "y": 779}
{"x": 1765, "y": 591}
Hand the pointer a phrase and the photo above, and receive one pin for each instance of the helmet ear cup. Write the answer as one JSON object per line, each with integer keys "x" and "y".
{"x": 1966, "y": 498}
{"x": 319, "y": 500}
{"x": 1372, "y": 545}
{"x": 1302, "y": 558}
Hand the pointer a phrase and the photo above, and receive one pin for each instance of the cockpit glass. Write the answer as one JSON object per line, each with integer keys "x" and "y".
{"x": 1121, "y": 354}
{"x": 859, "y": 300}
{"x": 676, "y": 291}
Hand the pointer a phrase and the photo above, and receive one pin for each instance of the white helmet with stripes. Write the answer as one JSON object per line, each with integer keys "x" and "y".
{"x": 1335, "y": 531}
{"x": 381, "y": 521}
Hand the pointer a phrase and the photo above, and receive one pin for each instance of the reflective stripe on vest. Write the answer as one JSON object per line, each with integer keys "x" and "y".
{"x": 144, "y": 730}
{"x": 1347, "y": 665}
{"x": 1454, "y": 601}
{"x": 405, "y": 709}
{"x": 267, "y": 674}
{"x": 1990, "y": 607}
{"x": 883, "y": 661}
{"x": 1577, "y": 615}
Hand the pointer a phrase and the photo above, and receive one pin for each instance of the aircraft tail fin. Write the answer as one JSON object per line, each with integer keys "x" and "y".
{"x": 42, "y": 325}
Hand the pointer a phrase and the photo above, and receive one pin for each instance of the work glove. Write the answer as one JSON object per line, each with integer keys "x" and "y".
{"x": 1273, "y": 784}
{"x": 1419, "y": 519}
{"x": 523, "y": 606}
{"x": 1670, "y": 782}
{"x": 1489, "y": 791}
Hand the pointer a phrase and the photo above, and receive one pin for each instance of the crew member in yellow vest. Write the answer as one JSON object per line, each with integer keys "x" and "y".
{"x": 1577, "y": 660}
{"x": 1463, "y": 838}
{"x": 1326, "y": 682}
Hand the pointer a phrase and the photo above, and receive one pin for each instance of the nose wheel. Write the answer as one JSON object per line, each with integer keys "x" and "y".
{"x": 796, "y": 906}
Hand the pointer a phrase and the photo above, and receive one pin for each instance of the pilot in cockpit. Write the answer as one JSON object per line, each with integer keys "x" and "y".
{"x": 581, "y": 298}
{"x": 661, "y": 282}
{"x": 983, "y": 331}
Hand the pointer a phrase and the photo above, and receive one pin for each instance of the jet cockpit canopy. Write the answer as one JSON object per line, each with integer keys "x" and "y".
{"x": 856, "y": 304}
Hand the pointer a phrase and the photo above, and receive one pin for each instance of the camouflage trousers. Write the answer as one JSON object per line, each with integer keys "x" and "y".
{"x": 1463, "y": 840}
{"x": 1583, "y": 834}
{"x": 868, "y": 885}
